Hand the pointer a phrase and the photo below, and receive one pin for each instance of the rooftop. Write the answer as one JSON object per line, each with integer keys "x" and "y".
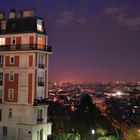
{"x": 23, "y": 21}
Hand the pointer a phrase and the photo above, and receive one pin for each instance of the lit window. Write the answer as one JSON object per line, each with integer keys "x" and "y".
{"x": 10, "y": 113}
{"x": 2, "y": 41}
{"x": 11, "y": 76}
{"x": 40, "y": 42}
{"x": 39, "y": 25}
{"x": 1, "y": 59}
{"x": 10, "y": 94}
{"x": 11, "y": 59}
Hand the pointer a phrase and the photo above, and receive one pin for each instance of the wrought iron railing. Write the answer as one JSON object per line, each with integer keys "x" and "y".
{"x": 42, "y": 66}
{"x": 40, "y": 120}
{"x": 25, "y": 47}
{"x": 40, "y": 83}
{"x": 40, "y": 101}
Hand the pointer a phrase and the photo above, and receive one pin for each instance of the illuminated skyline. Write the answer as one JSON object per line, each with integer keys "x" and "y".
{"x": 92, "y": 40}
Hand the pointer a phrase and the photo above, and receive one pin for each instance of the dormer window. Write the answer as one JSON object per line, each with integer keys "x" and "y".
{"x": 3, "y": 25}
{"x": 13, "y": 25}
{"x": 40, "y": 25}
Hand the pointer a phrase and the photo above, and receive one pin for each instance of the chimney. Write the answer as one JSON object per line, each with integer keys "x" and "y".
{"x": 28, "y": 13}
{"x": 1, "y": 15}
{"x": 12, "y": 13}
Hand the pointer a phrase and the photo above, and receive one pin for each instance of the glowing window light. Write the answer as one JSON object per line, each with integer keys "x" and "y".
{"x": 2, "y": 41}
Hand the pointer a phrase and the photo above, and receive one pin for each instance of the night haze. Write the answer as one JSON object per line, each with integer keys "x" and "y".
{"x": 92, "y": 40}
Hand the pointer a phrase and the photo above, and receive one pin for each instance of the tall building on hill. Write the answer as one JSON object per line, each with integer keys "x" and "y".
{"x": 24, "y": 55}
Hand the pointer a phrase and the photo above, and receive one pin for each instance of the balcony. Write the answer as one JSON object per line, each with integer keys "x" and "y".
{"x": 40, "y": 83}
{"x": 26, "y": 47}
{"x": 41, "y": 66}
{"x": 40, "y": 101}
{"x": 40, "y": 120}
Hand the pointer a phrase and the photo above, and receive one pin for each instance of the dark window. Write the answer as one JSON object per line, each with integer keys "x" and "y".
{"x": 12, "y": 59}
{"x": 0, "y": 95}
{"x": 13, "y": 40}
{"x": 5, "y": 131}
{"x": 10, "y": 113}
{"x": 11, "y": 76}
{"x": 0, "y": 115}
{"x": 40, "y": 81}
{"x": 13, "y": 25}
{"x": 1, "y": 78}
{"x": 39, "y": 114}
{"x": 1, "y": 59}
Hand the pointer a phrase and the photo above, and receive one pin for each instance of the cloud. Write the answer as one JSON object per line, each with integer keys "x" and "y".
{"x": 121, "y": 15}
{"x": 113, "y": 11}
{"x": 66, "y": 18}
{"x": 81, "y": 20}
{"x": 131, "y": 23}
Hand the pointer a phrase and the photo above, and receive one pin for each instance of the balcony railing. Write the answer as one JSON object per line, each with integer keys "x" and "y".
{"x": 26, "y": 47}
{"x": 42, "y": 66}
{"x": 40, "y": 101}
{"x": 40, "y": 120}
{"x": 40, "y": 83}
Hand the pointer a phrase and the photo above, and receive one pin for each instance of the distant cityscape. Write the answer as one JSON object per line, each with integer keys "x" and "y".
{"x": 118, "y": 101}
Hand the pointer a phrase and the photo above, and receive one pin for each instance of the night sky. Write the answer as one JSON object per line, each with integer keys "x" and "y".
{"x": 92, "y": 40}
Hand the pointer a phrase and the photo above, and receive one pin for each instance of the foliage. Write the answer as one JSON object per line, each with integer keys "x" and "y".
{"x": 85, "y": 118}
{"x": 109, "y": 138}
{"x": 101, "y": 131}
{"x": 66, "y": 136}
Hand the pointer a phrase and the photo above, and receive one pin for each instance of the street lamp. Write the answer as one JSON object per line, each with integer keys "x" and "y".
{"x": 92, "y": 131}
{"x": 93, "y": 134}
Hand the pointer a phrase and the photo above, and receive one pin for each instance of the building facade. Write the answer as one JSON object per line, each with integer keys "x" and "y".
{"x": 24, "y": 54}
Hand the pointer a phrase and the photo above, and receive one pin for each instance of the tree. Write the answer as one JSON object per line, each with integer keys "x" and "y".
{"x": 101, "y": 131}
{"x": 109, "y": 138}
{"x": 88, "y": 117}
{"x": 66, "y": 136}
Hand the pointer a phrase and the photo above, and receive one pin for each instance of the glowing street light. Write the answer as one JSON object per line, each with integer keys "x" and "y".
{"x": 119, "y": 93}
{"x": 92, "y": 131}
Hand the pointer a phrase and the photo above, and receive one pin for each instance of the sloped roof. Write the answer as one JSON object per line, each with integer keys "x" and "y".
{"x": 21, "y": 25}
